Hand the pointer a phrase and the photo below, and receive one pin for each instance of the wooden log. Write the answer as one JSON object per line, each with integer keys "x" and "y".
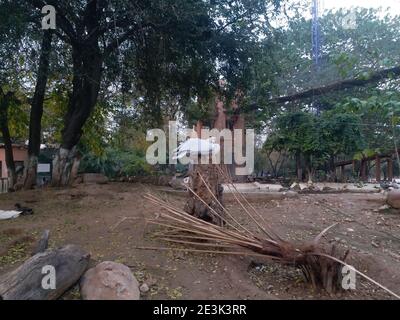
{"x": 42, "y": 244}
{"x": 25, "y": 282}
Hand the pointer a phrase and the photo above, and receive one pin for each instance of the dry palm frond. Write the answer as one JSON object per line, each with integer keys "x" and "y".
{"x": 321, "y": 266}
{"x": 309, "y": 257}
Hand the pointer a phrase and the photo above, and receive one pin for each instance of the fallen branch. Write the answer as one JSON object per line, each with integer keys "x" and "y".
{"x": 320, "y": 265}
{"x": 25, "y": 282}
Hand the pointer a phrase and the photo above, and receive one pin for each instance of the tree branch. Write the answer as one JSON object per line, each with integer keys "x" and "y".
{"x": 341, "y": 85}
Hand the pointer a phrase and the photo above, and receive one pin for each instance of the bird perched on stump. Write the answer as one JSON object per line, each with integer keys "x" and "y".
{"x": 196, "y": 147}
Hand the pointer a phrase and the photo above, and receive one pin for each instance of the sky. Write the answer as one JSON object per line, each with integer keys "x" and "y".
{"x": 336, "y": 4}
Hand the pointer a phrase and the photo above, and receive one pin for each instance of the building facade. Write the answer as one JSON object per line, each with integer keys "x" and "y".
{"x": 20, "y": 153}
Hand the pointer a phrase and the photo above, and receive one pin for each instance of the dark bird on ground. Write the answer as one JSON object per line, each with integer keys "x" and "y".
{"x": 24, "y": 210}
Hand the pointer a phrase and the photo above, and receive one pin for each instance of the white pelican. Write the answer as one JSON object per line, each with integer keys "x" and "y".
{"x": 196, "y": 147}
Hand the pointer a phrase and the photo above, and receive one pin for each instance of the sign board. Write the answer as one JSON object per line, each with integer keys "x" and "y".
{"x": 43, "y": 167}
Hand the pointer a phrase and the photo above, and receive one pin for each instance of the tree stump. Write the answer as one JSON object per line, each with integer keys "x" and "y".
{"x": 194, "y": 205}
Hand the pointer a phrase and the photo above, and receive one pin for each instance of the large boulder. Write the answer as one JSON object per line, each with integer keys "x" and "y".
{"x": 109, "y": 281}
{"x": 393, "y": 198}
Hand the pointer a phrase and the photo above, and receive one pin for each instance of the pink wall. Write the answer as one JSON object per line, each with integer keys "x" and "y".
{"x": 20, "y": 154}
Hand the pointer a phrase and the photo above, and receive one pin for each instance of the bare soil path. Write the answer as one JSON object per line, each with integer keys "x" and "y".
{"x": 88, "y": 215}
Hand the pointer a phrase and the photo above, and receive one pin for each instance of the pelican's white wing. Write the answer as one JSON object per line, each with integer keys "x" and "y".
{"x": 196, "y": 146}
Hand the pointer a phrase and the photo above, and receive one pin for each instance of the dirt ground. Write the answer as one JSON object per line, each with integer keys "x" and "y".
{"x": 88, "y": 215}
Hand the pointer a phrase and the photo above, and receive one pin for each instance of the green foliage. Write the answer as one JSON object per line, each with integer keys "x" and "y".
{"x": 316, "y": 138}
{"x": 379, "y": 115}
{"x": 341, "y": 133}
{"x": 115, "y": 163}
{"x": 122, "y": 155}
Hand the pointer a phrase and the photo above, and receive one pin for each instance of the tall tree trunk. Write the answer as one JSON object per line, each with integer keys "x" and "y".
{"x": 87, "y": 64}
{"x": 238, "y": 122}
{"x": 35, "y": 122}
{"x": 5, "y": 100}
{"x": 299, "y": 170}
{"x": 332, "y": 169}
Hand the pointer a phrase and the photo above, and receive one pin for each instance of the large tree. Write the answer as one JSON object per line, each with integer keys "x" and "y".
{"x": 176, "y": 41}
{"x": 36, "y": 113}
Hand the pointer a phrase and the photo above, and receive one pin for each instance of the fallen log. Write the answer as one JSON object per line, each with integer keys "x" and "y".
{"x": 26, "y": 282}
{"x": 42, "y": 244}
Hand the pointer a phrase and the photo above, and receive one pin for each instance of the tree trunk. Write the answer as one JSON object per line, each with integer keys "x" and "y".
{"x": 25, "y": 282}
{"x": 332, "y": 169}
{"x": 5, "y": 100}
{"x": 310, "y": 173}
{"x": 35, "y": 122}
{"x": 238, "y": 123}
{"x": 194, "y": 205}
{"x": 62, "y": 166}
{"x": 299, "y": 170}
{"x": 87, "y": 63}
{"x": 75, "y": 168}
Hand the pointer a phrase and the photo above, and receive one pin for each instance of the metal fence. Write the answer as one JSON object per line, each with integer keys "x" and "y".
{"x": 3, "y": 185}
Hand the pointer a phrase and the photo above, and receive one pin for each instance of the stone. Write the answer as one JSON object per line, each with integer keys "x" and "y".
{"x": 295, "y": 186}
{"x": 376, "y": 245}
{"x": 304, "y": 186}
{"x": 109, "y": 281}
{"x": 144, "y": 288}
{"x": 384, "y": 208}
{"x": 393, "y": 199}
{"x": 291, "y": 194}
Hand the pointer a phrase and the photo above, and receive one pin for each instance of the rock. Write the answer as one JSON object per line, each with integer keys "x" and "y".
{"x": 291, "y": 194}
{"x": 109, "y": 281}
{"x": 295, "y": 186}
{"x": 376, "y": 245}
{"x": 393, "y": 199}
{"x": 144, "y": 288}
{"x": 384, "y": 208}
{"x": 94, "y": 178}
{"x": 304, "y": 186}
